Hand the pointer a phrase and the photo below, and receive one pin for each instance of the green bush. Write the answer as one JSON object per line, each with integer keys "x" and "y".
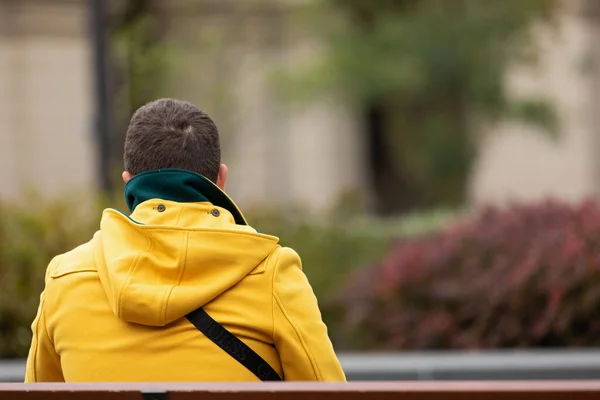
{"x": 32, "y": 233}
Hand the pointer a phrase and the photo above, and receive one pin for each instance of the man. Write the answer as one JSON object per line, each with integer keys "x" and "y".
{"x": 182, "y": 289}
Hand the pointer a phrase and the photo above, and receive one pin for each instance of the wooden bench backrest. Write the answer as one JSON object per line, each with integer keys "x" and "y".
{"x": 555, "y": 390}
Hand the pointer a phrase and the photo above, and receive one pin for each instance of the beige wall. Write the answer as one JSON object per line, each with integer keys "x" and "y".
{"x": 45, "y": 131}
{"x": 518, "y": 163}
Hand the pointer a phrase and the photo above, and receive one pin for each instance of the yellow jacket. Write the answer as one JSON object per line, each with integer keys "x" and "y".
{"x": 114, "y": 308}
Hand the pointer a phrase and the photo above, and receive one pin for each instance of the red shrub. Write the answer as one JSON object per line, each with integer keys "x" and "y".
{"x": 526, "y": 276}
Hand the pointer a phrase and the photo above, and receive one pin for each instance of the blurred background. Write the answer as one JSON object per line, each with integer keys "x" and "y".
{"x": 434, "y": 162}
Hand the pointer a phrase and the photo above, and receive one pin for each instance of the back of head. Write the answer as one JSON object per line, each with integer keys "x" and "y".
{"x": 169, "y": 133}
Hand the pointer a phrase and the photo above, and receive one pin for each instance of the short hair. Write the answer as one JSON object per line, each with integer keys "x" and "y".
{"x": 170, "y": 133}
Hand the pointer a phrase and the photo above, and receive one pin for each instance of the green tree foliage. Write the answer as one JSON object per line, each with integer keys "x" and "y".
{"x": 428, "y": 71}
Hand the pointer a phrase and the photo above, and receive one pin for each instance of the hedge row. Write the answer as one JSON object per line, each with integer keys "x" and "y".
{"x": 524, "y": 276}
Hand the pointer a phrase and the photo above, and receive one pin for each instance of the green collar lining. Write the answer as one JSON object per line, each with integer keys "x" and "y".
{"x": 178, "y": 185}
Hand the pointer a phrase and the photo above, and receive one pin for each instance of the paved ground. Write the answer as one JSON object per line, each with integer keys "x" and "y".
{"x": 12, "y": 370}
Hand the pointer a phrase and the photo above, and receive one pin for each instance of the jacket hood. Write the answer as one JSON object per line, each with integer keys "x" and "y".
{"x": 185, "y": 244}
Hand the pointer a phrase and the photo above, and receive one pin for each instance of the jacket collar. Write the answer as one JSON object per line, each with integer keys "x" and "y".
{"x": 181, "y": 186}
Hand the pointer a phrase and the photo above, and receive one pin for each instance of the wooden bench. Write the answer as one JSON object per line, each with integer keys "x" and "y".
{"x": 525, "y": 390}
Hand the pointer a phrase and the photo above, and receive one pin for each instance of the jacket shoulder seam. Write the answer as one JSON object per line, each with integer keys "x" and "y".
{"x": 78, "y": 260}
{"x": 273, "y": 272}
{"x": 36, "y": 345}
{"x": 47, "y": 290}
{"x": 53, "y": 266}
{"x": 305, "y": 347}
{"x": 59, "y": 274}
{"x": 300, "y": 338}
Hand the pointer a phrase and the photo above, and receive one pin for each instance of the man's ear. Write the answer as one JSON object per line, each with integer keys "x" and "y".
{"x": 222, "y": 176}
{"x": 127, "y": 176}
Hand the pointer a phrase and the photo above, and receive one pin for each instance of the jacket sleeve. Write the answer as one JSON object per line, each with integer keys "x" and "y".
{"x": 299, "y": 333}
{"x": 43, "y": 364}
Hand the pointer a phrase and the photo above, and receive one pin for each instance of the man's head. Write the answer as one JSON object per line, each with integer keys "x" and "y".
{"x": 169, "y": 133}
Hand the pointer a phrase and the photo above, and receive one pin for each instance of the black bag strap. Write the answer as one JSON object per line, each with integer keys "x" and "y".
{"x": 232, "y": 345}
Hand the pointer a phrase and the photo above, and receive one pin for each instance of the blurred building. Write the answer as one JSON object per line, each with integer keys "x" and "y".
{"x": 277, "y": 155}
{"x": 520, "y": 164}
{"x": 46, "y": 138}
